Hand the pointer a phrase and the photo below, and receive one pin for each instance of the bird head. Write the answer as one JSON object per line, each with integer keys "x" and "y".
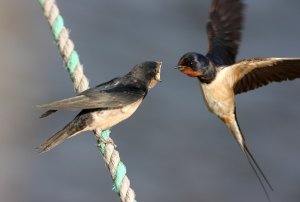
{"x": 196, "y": 65}
{"x": 147, "y": 72}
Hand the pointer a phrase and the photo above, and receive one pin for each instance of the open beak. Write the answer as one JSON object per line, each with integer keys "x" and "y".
{"x": 158, "y": 66}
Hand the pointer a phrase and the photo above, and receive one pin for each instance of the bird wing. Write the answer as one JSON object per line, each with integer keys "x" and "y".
{"x": 224, "y": 31}
{"x": 98, "y": 97}
{"x": 256, "y": 72}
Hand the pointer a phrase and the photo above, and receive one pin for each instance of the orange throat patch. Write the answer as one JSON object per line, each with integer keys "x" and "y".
{"x": 190, "y": 72}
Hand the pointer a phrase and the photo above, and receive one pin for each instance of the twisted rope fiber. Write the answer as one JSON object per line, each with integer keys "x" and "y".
{"x": 72, "y": 63}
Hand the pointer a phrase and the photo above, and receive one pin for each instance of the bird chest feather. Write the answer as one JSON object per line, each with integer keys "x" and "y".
{"x": 218, "y": 96}
{"x": 107, "y": 118}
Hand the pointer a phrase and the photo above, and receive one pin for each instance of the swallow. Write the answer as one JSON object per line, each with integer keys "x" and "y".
{"x": 221, "y": 77}
{"x": 105, "y": 105}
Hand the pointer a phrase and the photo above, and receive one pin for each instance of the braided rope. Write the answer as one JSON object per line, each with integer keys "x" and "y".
{"x": 72, "y": 63}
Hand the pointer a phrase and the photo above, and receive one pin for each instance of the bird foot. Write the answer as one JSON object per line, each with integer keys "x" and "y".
{"x": 105, "y": 141}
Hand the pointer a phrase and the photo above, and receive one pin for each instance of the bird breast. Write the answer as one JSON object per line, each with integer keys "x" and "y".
{"x": 218, "y": 96}
{"x": 105, "y": 119}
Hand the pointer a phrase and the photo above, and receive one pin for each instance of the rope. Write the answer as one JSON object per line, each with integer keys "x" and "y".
{"x": 75, "y": 69}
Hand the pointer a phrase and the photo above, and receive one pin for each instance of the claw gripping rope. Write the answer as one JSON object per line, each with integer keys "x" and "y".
{"x": 72, "y": 63}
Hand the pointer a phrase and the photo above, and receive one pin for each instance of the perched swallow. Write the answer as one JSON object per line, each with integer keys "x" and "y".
{"x": 106, "y": 104}
{"x": 221, "y": 78}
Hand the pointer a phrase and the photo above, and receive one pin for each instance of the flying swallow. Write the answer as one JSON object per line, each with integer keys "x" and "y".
{"x": 106, "y": 104}
{"x": 221, "y": 77}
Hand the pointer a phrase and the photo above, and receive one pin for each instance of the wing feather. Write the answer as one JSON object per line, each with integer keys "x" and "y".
{"x": 93, "y": 98}
{"x": 224, "y": 30}
{"x": 257, "y": 72}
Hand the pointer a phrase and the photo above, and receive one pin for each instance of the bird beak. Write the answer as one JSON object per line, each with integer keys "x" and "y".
{"x": 178, "y": 67}
{"x": 159, "y": 63}
{"x": 157, "y": 76}
{"x": 188, "y": 71}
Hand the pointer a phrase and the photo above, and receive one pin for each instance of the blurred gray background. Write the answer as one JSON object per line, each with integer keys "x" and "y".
{"x": 174, "y": 149}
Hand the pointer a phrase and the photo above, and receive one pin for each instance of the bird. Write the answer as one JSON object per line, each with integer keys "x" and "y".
{"x": 221, "y": 77}
{"x": 104, "y": 105}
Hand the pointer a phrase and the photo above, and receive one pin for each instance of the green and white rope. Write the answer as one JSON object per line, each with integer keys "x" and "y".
{"x": 75, "y": 69}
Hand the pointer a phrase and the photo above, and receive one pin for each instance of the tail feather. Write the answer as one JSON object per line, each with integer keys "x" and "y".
{"x": 232, "y": 123}
{"x": 258, "y": 167}
{"x": 77, "y": 125}
{"x": 257, "y": 171}
{"x": 52, "y": 142}
{"x": 47, "y": 113}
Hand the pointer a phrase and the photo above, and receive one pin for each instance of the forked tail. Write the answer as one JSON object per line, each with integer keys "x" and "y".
{"x": 76, "y": 126}
{"x": 53, "y": 141}
{"x": 257, "y": 170}
{"x": 232, "y": 123}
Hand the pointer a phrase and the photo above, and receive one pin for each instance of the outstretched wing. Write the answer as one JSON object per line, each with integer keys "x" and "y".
{"x": 105, "y": 96}
{"x": 224, "y": 31}
{"x": 254, "y": 73}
